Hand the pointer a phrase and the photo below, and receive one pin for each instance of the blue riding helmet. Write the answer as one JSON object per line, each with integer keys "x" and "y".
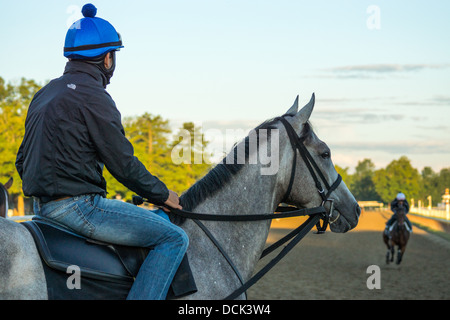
{"x": 90, "y": 37}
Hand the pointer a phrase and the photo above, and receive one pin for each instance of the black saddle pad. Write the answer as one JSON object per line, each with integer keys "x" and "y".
{"x": 105, "y": 271}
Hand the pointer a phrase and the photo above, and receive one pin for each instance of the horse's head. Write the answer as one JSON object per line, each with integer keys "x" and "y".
{"x": 313, "y": 170}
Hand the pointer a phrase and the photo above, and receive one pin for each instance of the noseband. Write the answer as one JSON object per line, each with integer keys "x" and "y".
{"x": 297, "y": 143}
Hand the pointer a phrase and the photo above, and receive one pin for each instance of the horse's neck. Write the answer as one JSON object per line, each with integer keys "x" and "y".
{"x": 248, "y": 192}
{"x": 400, "y": 219}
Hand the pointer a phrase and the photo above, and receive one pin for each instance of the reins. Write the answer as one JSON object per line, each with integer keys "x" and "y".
{"x": 315, "y": 214}
{"x": 297, "y": 234}
{"x": 284, "y": 213}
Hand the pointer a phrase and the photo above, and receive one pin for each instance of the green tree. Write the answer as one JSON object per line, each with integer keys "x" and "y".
{"x": 443, "y": 183}
{"x": 398, "y": 176}
{"x": 363, "y": 187}
{"x": 346, "y": 177}
{"x": 193, "y": 165}
{"x": 429, "y": 186}
{"x": 14, "y": 101}
{"x": 149, "y": 136}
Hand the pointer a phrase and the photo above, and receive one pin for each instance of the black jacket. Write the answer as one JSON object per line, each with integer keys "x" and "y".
{"x": 72, "y": 129}
{"x": 394, "y": 205}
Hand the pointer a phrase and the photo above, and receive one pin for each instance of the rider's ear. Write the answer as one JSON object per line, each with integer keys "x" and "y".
{"x": 304, "y": 114}
{"x": 108, "y": 61}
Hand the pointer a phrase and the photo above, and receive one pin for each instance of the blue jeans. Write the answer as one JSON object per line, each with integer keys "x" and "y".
{"x": 122, "y": 223}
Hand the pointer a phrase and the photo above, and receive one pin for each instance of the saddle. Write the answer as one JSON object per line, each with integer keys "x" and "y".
{"x": 394, "y": 225}
{"x": 105, "y": 271}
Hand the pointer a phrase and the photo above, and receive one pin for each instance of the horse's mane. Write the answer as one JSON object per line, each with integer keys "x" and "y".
{"x": 222, "y": 173}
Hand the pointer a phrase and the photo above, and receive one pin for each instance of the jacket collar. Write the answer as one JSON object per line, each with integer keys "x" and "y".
{"x": 79, "y": 66}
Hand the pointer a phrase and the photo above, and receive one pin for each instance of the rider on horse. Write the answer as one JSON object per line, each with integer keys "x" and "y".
{"x": 73, "y": 129}
{"x": 399, "y": 201}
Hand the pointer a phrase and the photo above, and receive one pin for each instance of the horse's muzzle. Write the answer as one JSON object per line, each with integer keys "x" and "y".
{"x": 357, "y": 211}
{"x": 345, "y": 220}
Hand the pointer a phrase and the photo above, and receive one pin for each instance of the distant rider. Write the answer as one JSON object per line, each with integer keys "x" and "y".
{"x": 399, "y": 201}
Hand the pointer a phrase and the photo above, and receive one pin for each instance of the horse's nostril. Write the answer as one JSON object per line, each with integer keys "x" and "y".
{"x": 357, "y": 210}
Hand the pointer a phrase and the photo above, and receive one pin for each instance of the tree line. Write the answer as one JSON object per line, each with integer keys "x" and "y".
{"x": 154, "y": 140}
{"x": 367, "y": 183}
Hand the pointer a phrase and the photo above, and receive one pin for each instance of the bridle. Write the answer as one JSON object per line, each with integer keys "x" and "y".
{"x": 315, "y": 214}
{"x": 297, "y": 143}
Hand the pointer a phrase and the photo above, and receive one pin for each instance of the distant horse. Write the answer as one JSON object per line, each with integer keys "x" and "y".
{"x": 398, "y": 235}
{"x": 4, "y": 195}
{"x": 229, "y": 188}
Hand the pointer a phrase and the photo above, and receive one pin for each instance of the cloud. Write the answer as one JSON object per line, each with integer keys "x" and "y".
{"x": 219, "y": 125}
{"x": 230, "y": 124}
{"x": 434, "y": 101}
{"x": 441, "y": 100}
{"x": 358, "y": 115}
{"x": 377, "y": 71}
{"x": 386, "y": 68}
{"x": 396, "y": 147}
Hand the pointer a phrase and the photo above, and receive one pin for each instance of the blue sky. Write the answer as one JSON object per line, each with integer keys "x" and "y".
{"x": 380, "y": 92}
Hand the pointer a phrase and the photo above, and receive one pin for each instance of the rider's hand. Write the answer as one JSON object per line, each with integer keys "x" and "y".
{"x": 173, "y": 201}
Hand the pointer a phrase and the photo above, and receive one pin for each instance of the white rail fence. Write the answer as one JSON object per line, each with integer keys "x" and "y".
{"x": 440, "y": 213}
{"x": 436, "y": 212}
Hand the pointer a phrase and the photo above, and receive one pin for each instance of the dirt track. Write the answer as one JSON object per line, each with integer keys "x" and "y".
{"x": 334, "y": 266}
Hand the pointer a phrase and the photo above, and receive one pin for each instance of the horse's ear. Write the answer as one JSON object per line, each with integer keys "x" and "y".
{"x": 293, "y": 110}
{"x": 304, "y": 114}
{"x": 8, "y": 184}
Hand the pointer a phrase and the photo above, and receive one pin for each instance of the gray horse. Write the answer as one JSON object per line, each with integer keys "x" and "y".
{"x": 231, "y": 187}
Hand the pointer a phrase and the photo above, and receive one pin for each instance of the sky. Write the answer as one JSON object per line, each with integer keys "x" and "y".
{"x": 380, "y": 70}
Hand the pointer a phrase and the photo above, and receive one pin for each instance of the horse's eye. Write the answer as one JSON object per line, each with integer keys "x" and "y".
{"x": 325, "y": 155}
